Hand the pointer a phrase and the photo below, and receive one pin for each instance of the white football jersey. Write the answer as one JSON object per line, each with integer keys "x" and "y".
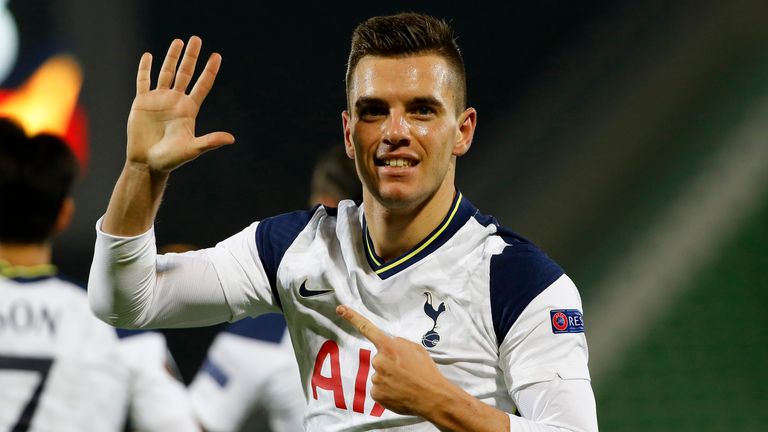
{"x": 499, "y": 318}
{"x": 249, "y": 380}
{"x": 63, "y": 370}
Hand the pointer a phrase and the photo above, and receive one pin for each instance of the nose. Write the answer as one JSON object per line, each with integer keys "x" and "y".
{"x": 396, "y": 131}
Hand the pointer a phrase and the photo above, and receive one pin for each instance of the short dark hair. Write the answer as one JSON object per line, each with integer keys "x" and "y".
{"x": 407, "y": 34}
{"x": 36, "y": 175}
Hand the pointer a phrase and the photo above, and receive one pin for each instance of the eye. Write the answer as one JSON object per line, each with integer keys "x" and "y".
{"x": 372, "y": 112}
{"x": 424, "y": 110}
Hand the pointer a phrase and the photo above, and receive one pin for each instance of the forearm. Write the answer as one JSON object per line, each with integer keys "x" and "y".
{"x": 456, "y": 410}
{"x": 130, "y": 286}
{"x": 135, "y": 200}
{"x": 122, "y": 277}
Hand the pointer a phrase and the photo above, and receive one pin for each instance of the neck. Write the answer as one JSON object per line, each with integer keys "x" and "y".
{"x": 395, "y": 231}
{"x": 27, "y": 255}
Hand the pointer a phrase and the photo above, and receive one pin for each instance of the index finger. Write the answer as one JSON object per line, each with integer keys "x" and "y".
{"x": 363, "y": 325}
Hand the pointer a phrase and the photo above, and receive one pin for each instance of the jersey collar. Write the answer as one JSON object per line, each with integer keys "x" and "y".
{"x": 27, "y": 273}
{"x": 458, "y": 214}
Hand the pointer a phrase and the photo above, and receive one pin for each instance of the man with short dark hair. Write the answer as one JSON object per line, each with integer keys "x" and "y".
{"x": 412, "y": 311}
{"x": 61, "y": 368}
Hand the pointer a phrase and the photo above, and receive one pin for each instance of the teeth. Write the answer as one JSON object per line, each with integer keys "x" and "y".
{"x": 398, "y": 163}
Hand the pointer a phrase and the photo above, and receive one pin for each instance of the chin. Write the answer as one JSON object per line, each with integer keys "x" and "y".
{"x": 398, "y": 196}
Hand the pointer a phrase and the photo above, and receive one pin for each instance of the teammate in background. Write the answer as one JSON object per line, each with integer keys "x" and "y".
{"x": 61, "y": 368}
{"x": 413, "y": 311}
{"x": 334, "y": 179}
{"x": 250, "y": 380}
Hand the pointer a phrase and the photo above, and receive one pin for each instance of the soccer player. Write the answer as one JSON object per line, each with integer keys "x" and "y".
{"x": 412, "y": 311}
{"x": 249, "y": 380}
{"x": 61, "y": 368}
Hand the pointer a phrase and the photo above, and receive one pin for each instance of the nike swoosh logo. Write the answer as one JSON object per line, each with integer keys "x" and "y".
{"x": 304, "y": 292}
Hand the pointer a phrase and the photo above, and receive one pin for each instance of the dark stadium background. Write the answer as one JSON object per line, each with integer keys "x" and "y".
{"x": 610, "y": 133}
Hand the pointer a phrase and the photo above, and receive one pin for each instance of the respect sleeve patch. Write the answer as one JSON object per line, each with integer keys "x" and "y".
{"x": 566, "y": 321}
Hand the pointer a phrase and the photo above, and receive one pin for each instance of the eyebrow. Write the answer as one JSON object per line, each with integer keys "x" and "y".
{"x": 425, "y": 100}
{"x": 367, "y": 102}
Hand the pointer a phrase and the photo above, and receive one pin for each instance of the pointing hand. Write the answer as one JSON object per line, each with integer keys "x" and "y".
{"x": 406, "y": 379}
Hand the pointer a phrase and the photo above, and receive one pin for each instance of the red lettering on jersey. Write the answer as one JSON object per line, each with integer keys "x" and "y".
{"x": 361, "y": 382}
{"x": 377, "y": 410}
{"x": 333, "y": 382}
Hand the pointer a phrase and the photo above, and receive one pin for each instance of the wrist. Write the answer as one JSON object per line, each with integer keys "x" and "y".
{"x": 456, "y": 410}
{"x": 144, "y": 169}
{"x": 135, "y": 200}
{"x": 443, "y": 404}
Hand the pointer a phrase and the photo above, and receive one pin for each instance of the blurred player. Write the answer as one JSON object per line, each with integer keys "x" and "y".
{"x": 250, "y": 380}
{"x": 61, "y": 369}
{"x": 334, "y": 179}
{"x": 412, "y": 311}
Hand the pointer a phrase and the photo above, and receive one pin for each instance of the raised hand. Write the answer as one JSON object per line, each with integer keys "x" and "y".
{"x": 161, "y": 125}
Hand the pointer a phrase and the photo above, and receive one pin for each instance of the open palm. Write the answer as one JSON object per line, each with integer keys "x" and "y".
{"x": 161, "y": 125}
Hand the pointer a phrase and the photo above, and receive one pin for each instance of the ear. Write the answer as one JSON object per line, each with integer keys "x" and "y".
{"x": 64, "y": 217}
{"x": 465, "y": 132}
{"x": 348, "y": 146}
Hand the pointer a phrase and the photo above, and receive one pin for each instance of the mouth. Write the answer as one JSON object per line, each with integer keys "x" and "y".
{"x": 393, "y": 162}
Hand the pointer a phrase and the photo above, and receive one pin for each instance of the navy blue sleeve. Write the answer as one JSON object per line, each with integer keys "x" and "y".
{"x": 519, "y": 274}
{"x": 274, "y": 236}
{"x": 126, "y": 333}
{"x": 268, "y": 327}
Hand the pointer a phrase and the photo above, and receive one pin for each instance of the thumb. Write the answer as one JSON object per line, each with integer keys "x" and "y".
{"x": 213, "y": 140}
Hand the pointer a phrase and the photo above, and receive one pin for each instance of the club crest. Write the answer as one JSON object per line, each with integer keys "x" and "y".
{"x": 431, "y": 338}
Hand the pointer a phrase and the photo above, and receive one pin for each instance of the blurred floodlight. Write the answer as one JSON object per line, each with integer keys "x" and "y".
{"x": 9, "y": 41}
{"x": 47, "y": 100}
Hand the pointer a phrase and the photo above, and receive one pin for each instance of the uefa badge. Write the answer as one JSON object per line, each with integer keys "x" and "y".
{"x": 566, "y": 321}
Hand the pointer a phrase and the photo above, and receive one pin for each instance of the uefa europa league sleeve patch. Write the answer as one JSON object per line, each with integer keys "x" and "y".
{"x": 566, "y": 321}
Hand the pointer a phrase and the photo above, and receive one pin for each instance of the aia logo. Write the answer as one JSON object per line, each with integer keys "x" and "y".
{"x": 329, "y": 354}
{"x": 566, "y": 321}
{"x": 431, "y": 338}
